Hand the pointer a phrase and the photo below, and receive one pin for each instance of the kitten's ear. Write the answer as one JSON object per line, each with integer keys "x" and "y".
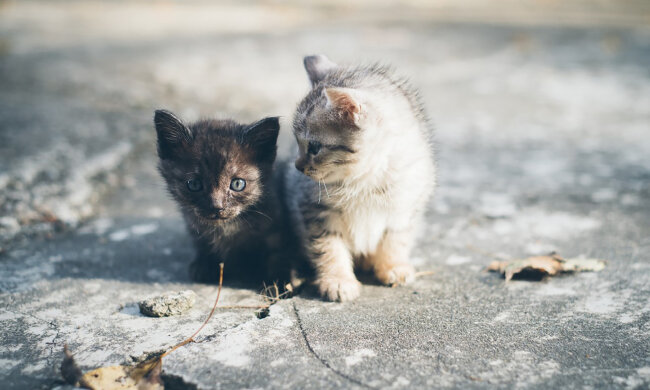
{"x": 172, "y": 133}
{"x": 346, "y": 102}
{"x": 318, "y": 67}
{"x": 263, "y": 136}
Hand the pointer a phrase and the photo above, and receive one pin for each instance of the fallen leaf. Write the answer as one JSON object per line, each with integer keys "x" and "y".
{"x": 144, "y": 376}
{"x": 544, "y": 265}
{"x": 583, "y": 265}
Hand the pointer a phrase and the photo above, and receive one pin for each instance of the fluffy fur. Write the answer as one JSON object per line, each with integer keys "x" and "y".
{"x": 365, "y": 172}
{"x": 202, "y": 164}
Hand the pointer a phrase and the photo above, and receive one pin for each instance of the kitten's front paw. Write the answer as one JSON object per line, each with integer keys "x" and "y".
{"x": 396, "y": 274}
{"x": 339, "y": 289}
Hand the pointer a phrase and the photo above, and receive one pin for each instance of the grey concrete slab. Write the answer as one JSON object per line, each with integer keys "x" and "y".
{"x": 542, "y": 140}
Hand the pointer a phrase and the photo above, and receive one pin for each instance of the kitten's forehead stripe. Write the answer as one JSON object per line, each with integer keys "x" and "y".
{"x": 248, "y": 172}
{"x": 219, "y": 154}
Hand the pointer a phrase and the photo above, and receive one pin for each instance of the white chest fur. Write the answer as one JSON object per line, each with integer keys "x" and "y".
{"x": 365, "y": 215}
{"x": 363, "y": 225}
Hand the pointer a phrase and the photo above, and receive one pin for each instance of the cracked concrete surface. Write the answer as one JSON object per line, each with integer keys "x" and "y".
{"x": 542, "y": 112}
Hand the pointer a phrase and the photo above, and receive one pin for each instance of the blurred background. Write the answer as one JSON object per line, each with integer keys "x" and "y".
{"x": 542, "y": 117}
{"x": 529, "y": 97}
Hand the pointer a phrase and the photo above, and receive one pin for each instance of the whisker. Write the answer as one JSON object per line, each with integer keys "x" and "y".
{"x": 261, "y": 213}
{"x": 245, "y": 220}
{"x": 318, "y": 191}
{"x": 326, "y": 191}
{"x": 206, "y": 232}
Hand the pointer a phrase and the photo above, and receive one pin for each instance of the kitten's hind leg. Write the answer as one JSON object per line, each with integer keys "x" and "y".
{"x": 334, "y": 269}
{"x": 390, "y": 260}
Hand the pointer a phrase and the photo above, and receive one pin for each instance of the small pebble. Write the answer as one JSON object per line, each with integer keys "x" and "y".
{"x": 169, "y": 304}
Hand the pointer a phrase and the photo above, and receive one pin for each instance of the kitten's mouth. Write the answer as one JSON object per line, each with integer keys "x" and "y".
{"x": 219, "y": 217}
{"x": 212, "y": 218}
{"x": 316, "y": 175}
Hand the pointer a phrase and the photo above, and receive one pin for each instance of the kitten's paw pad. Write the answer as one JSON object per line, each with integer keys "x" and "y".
{"x": 339, "y": 289}
{"x": 398, "y": 274}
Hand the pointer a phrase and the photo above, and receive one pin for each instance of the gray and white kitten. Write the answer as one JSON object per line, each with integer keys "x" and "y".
{"x": 365, "y": 172}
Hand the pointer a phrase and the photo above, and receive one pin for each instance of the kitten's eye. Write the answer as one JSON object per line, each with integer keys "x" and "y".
{"x": 314, "y": 147}
{"x": 238, "y": 185}
{"x": 194, "y": 185}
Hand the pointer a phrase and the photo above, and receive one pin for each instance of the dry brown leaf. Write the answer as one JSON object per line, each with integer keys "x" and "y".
{"x": 144, "y": 376}
{"x": 583, "y": 265}
{"x": 544, "y": 265}
{"x": 113, "y": 377}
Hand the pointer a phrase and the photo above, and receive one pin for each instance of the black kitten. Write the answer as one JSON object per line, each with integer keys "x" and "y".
{"x": 221, "y": 175}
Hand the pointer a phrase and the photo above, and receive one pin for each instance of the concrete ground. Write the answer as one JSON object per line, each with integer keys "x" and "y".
{"x": 542, "y": 112}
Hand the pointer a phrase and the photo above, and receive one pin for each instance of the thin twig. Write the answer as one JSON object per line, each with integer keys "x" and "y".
{"x": 270, "y": 294}
{"x": 243, "y": 307}
{"x": 191, "y": 338}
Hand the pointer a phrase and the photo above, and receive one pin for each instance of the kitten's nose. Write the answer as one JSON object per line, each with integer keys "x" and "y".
{"x": 300, "y": 165}
{"x": 216, "y": 213}
{"x": 217, "y": 202}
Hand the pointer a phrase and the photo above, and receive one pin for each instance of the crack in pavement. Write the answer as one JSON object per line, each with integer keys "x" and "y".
{"x": 20, "y": 313}
{"x": 320, "y": 359}
{"x": 50, "y": 359}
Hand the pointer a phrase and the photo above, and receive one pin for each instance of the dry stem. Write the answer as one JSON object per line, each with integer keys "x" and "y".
{"x": 191, "y": 338}
{"x": 270, "y": 295}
